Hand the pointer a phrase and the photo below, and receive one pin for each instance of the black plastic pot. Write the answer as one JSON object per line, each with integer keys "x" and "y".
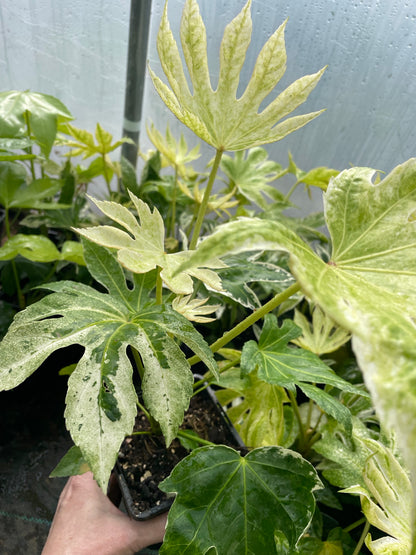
{"x": 232, "y": 439}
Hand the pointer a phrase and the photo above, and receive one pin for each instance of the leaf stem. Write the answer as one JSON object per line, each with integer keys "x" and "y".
{"x": 205, "y": 199}
{"x": 29, "y": 148}
{"x": 250, "y": 320}
{"x": 173, "y": 207}
{"x": 292, "y": 190}
{"x": 143, "y": 409}
{"x": 105, "y": 170}
{"x": 186, "y": 435}
{"x": 143, "y": 433}
{"x": 362, "y": 538}
{"x": 354, "y": 525}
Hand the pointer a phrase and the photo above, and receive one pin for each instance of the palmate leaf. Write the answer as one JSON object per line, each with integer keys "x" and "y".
{"x": 101, "y": 401}
{"x": 385, "y": 499}
{"x": 251, "y": 172}
{"x": 242, "y": 271}
{"x": 369, "y": 285}
{"x": 85, "y": 145}
{"x": 146, "y": 250}
{"x": 322, "y": 336}
{"x": 174, "y": 153}
{"x": 238, "y": 504}
{"x": 258, "y": 417}
{"x": 218, "y": 117}
{"x": 279, "y": 364}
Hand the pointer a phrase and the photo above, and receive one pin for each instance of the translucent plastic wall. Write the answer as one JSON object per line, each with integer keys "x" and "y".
{"x": 77, "y": 51}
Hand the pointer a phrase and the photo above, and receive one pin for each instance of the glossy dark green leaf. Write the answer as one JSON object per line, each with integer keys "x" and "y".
{"x": 283, "y": 365}
{"x": 237, "y": 504}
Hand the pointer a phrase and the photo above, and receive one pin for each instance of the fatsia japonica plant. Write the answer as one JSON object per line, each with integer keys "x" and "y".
{"x": 308, "y": 336}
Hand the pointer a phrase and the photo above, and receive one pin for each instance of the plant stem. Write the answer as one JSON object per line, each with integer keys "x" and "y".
{"x": 145, "y": 411}
{"x": 292, "y": 190}
{"x": 205, "y": 199}
{"x": 186, "y": 435}
{"x": 173, "y": 207}
{"x": 250, "y": 320}
{"x": 354, "y": 525}
{"x": 29, "y": 134}
{"x": 107, "y": 180}
{"x": 362, "y": 538}
{"x": 202, "y": 385}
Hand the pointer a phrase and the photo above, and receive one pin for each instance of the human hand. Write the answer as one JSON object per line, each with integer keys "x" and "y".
{"x": 87, "y": 523}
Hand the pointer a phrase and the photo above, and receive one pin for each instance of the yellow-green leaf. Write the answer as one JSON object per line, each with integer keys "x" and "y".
{"x": 218, "y": 117}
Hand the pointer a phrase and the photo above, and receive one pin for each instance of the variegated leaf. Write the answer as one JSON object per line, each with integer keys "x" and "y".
{"x": 218, "y": 117}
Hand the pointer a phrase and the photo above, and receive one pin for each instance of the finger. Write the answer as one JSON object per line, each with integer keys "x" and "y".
{"x": 149, "y": 532}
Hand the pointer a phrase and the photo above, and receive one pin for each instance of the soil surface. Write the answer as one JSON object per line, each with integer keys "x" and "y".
{"x": 145, "y": 461}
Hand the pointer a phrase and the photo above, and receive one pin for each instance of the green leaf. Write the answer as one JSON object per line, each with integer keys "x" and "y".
{"x": 40, "y": 249}
{"x": 174, "y": 152}
{"x": 218, "y": 117}
{"x": 128, "y": 175}
{"x": 71, "y": 464}
{"x": 318, "y": 177}
{"x": 345, "y": 454}
{"x": 286, "y": 366}
{"x": 238, "y": 504}
{"x": 241, "y": 271}
{"x": 15, "y": 192}
{"x": 45, "y": 112}
{"x": 84, "y": 144}
{"x": 146, "y": 250}
{"x": 12, "y": 177}
{"x": 251, "y": 172}
{"x": 101, "y": 400}
{"x": 16, "y": 144}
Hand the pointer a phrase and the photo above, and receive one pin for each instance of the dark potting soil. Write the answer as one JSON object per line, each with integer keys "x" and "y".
{"x": 146, "y": 461}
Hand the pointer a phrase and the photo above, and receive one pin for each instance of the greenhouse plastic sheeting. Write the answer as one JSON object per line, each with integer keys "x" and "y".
{"x": 77, "y": 51}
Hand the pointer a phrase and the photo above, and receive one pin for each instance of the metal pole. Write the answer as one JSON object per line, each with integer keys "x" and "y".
{"x": 136, "y": 70}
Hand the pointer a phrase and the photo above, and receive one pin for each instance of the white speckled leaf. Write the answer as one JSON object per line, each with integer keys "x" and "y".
{"x": 101, "y": 401}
